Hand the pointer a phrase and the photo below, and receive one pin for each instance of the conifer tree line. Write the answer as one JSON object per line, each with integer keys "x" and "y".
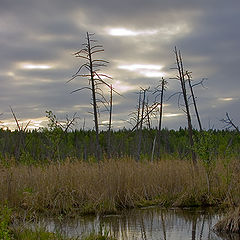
{"x": 57, "y": 145}
{"x": 142, "y": 141}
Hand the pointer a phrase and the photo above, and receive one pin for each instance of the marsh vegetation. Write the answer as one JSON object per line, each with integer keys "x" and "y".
{"x": 69, "y": 171}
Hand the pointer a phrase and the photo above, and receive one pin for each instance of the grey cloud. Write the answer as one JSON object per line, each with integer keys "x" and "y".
{"x": 48, "y": 32}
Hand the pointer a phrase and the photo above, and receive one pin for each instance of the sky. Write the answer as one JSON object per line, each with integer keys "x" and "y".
{"x": 38, "y": 39}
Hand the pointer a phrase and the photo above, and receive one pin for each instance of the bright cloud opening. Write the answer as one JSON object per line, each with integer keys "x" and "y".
{"x": 35, "y": 66}
{"x": 30, "y": 123}
{"x": 226, "y": 99}
{"x": 134, "y": 67}
{"x": 147, "y": 70}
{"x": 173, "y": 30}
{"x": 169, "y": 115}
{"x": 10, "y": 74}
{"x": 151, "y": 74}
{"x": 128, "y": 32}
{"x": 121, "y": 87}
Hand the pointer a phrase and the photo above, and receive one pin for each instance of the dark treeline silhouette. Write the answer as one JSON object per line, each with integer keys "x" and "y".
{"x": 57, "y": 145}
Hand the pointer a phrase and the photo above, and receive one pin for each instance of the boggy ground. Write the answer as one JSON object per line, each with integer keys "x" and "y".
{"x": 77, "y": 187}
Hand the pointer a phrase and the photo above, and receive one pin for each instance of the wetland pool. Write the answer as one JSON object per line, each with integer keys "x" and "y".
{"x": 151, "y": 223}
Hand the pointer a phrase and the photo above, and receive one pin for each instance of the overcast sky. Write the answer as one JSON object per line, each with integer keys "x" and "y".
{"x": 38, "y": 39}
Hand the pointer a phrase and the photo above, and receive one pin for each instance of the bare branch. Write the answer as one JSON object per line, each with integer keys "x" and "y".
{"x": 27, "y": 126}
{"x": 230, "y": 123}
{"x": 97, "y": 51}
{"x": 96, "y": 46}
{"x": 153, "y": 108}
{"x": 79, "y": 89}
{"x": 16, "y": 120}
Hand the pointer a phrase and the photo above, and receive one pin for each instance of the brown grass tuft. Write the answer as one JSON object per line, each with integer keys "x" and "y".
{"x": 231, "y": 223}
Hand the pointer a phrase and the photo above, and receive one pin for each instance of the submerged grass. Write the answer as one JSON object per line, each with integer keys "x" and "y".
{"x": 77, "y": 187}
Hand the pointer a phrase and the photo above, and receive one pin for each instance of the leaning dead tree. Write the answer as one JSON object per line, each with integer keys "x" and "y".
{"x": 229, "y": 123}
{"x": 90, "y": 69}
{"x": 182, "y": 75}
{"x": 141, "y": 117}
{"x": 189, "y": 78}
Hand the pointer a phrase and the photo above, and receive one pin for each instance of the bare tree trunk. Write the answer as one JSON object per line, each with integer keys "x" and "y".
{"x": 158, "y": 133}
{"x": 94, "y": 98}
{"x": 161, "y": 108}
{"x": 110, "y": 122}
{"x": 181, "y": 76}
{"x": 148, "y": 116}
{"x": 92, "y": 66}
{"x": 141, "y": 124}
{"x": 194, "y": 101}
{"x": 139, "y": 107}
{"x": 160, "y": 117}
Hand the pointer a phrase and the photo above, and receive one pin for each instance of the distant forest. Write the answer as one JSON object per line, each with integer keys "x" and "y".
{"x": 57, "y": 145}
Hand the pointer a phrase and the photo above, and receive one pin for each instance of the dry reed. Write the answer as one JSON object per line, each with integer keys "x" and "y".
{"x": 81, "y": 187}
{"x": 230, "y": 223}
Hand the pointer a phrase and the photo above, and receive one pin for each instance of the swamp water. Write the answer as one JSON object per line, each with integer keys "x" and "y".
{"x": 147, "y": 224}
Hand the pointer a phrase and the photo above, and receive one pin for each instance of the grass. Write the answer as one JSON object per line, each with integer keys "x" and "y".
{"x": 9, "y": 231}
{"x": 230, "y": 223}
{"x": 42, "y": 234}
{"x": 77, "y": 187}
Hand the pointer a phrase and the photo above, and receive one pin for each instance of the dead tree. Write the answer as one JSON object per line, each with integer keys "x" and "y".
{"x": 181, "y": 77}
{"x": 188, "y": 74}
{"x": 139, "y": 106}
{"x": 87, "y": 53}
{"x": 229, "y": 123}
{"x": 148, "y": 119}
{"x": 21, "y": 145}
{"x": 56, "y": 131}
{"x": 159, "y": 91}
{"x": 135, "y": 115}
{"x": 142, "y": 116}
{"x": 110, "y": 121}
{"x": 141, "y": 123}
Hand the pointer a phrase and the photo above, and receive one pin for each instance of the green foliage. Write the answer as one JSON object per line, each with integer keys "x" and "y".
{"x": 38, "y": 234}
{"x": 26, "y": 158}
{"x": 56, "y": 144}
{"x": 5, "y": 220}
{"x": 205, "y": 147}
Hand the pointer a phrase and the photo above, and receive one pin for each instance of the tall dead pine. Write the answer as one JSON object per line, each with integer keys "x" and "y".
{"x": 91, "y": 66}
{"x": 181, "y": 77}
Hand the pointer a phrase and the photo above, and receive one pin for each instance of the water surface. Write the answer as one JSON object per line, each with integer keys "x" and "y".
{"x": 147, "y": 224}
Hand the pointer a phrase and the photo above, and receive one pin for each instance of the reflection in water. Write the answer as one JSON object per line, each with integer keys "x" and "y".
{"x": 147, "y": 224}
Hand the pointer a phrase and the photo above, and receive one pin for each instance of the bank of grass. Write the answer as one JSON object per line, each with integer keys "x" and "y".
{"x": 10, "y": 231}
{"x": 77, "y": 187}
{"x": 41, "y": 233}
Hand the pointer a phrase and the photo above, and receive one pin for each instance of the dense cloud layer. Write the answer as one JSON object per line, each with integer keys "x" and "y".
{"x": 38, "y": 39}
